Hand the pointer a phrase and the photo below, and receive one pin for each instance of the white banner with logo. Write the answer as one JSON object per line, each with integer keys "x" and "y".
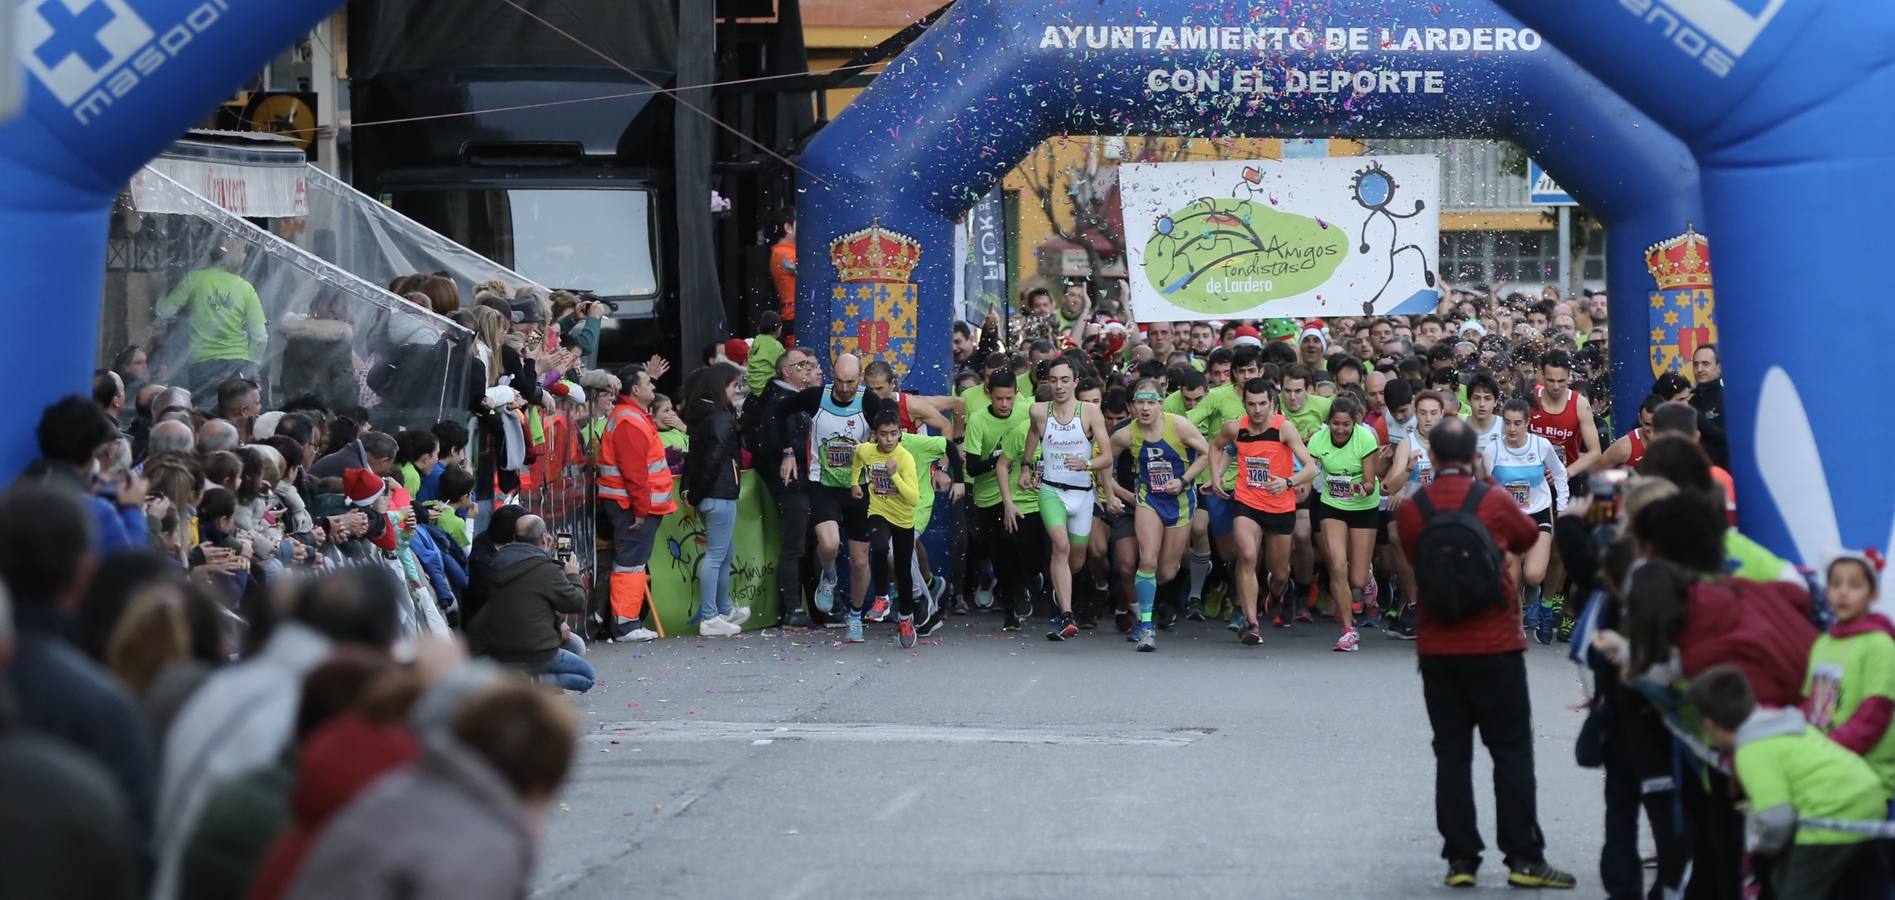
{"x": 1250, "y": 239}
{"x": 253, "y": 192}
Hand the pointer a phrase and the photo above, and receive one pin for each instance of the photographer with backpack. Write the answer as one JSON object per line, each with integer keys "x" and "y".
{"x": 1455, "y": 532}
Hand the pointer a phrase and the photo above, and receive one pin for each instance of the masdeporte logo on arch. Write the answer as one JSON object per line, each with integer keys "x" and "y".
{"x": 90, "y": 54}
{"x": 1716, "y": 33}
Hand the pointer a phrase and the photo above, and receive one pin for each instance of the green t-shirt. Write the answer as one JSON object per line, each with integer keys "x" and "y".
{"x": 1342, "y": 467}
{"x": 985, "y": 434}
{"x": 1813, "y": 775}
{"x": 975, "y": 399}
{"x": 927, "y": 449}
{"x": 1218, "y": 406}
{"x": 1014, "y": 445}
{"x": 1745, "y": 558}
{"x": 675, "y": 440}
{"x": 1845, "y": 671}
{"x": 410, "y": 478}
{"x": 761, "y": 366}
{"x": 225, "y": 316}
{"x": 1315, "y": 413}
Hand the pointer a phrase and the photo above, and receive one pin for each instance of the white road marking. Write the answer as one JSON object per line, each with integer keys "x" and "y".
{"x": 898, "y": 804}
{"x": 887, "y": 732}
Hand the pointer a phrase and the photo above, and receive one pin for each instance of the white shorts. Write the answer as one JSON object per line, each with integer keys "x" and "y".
{"x": 1070, "y": 507}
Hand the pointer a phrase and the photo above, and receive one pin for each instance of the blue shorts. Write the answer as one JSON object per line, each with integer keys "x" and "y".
{"x": 1223, "y": 513}
{"x": 1174, "y": 510}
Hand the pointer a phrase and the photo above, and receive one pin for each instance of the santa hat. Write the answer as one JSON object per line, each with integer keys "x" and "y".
{"x": 1313, "y": 329}
{"x": 363, "y": 486}
{"x": 1246, "y": 336}
{"x": 1114, "y": 326}
{"x": 1474, "y": 326}
{"x": 737, "y": 351}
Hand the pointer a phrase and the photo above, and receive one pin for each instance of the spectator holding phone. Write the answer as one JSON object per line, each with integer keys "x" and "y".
{"x": 520, "y": 623}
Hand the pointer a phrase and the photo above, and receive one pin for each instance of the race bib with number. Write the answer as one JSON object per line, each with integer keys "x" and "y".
{"x": 839, "y": 453}
{"x": 1158, "y": 473}
{"x": 1522, "y": 492}
{"x": 1338, "y": 486}
{"x": 1425, "y": 474}
{"x": 1256, "y": 471}
{"x": 1825, "y": 694}
{"x": 881, "y": 481}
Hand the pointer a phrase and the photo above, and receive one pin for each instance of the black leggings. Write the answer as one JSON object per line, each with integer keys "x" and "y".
{"x": 881, "y": 532}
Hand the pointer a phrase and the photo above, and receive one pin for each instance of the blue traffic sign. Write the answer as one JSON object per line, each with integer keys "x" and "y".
{"x": 1543, "y": 191}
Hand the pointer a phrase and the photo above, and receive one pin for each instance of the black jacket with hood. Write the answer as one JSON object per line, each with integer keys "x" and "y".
{"x": 529, "y": 591}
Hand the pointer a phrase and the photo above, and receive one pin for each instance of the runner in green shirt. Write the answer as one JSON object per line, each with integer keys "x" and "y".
{"x": 1350, "y": 508}
{"x": 1850, "y": 687}
{"x": 987, "y": 432}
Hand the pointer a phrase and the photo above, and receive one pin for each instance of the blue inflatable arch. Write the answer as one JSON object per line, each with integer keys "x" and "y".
{"x": 1785, "y": 107}
{"x": 973, "y": 97}
{"x": 112, "y": 83}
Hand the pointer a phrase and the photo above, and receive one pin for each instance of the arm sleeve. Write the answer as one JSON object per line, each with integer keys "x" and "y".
{"x": 906, "y": 481}
{"x": 1556, "y": 473}
{"x": 569, "y": 594}
{"x": 1865, "y": 729}
{"x": 806, "y": 401}
{"x": 253, "y": 323}
{"x": 954, "y": 460}
{"x": 1762, "y": 777}
{"x": 175, "y": 300}
{"x": 856, "y": 465}
{"x": 633, "y": 450}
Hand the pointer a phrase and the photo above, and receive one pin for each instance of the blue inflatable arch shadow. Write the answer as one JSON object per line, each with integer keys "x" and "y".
{"x": 110, "y": 86}
{"x": 1784, "y": 105}
{"x": 972, "y": 98}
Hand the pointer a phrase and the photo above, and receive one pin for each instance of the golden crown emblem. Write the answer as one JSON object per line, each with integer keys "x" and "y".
{"x": 875, "y": 254}
{"x": 1682, "y": 262}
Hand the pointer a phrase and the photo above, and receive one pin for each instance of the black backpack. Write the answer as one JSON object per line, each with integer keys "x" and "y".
{"x": 1457, "y": 565}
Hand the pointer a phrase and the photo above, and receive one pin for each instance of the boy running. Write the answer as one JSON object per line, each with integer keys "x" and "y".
{"x": 894, "y": 490}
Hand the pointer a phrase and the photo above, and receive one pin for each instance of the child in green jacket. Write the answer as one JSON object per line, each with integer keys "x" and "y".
{"x": 1792, "y": 773}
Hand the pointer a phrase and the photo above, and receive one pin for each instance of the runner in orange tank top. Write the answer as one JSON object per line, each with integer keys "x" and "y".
{"x": 1267, "y": 453}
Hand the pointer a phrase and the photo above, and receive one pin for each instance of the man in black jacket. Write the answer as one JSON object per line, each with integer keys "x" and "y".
{"x": 779, "y": 447}
{"x": 1707, "y": 397}
{"x": 520, "y": 625}
{"x": 374, "y": 451}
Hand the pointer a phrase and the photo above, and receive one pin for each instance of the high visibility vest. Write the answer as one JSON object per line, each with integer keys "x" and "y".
{"x": 644, "y": 484}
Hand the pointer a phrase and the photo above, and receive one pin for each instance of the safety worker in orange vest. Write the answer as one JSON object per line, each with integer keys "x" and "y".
{"x": 636, "y": 492}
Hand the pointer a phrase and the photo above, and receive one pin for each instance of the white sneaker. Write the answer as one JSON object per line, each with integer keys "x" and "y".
{"x": 738, "y": 615}
{"x": 717, "y": 626}
{"x": 633, "y": 636}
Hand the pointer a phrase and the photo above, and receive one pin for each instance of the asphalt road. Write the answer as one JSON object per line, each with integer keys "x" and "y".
{"x": 987, "y": 765}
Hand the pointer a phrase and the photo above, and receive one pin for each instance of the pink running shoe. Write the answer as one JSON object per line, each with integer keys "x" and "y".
{"x": 1347, "y": 643}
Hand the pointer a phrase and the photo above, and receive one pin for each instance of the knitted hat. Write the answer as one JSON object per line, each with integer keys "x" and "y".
{"x": 363, "y": 487}
{"x": 1279, "y": 329}
{"x": 1247, "y": 336}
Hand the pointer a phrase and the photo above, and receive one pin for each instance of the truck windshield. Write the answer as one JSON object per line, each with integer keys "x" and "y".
{"x": 577, "y": 239}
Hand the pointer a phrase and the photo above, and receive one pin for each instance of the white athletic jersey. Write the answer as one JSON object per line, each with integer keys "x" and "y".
{"x": 1532, "y": 474}
{"x": 1063, "y": 441}
{"x": 1398, "y": 431}
{"x": 1496, "y": 431}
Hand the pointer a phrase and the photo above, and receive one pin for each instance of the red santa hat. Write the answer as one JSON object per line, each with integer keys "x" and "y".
{"x": 1247, "y": 336}
{"x": 363, "y": 486}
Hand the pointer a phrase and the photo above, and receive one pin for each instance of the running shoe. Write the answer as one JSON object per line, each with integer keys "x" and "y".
{"x": 1012, "y": 622}
{"x": 1068, "y": 627}
{"x": 855, "y": 629}
{"x": 1564, "y": 633}
{"x": 937, "y": 588}
{"x": 1124, "y": 620}
{"x": 1147, "y": 638}
{"x": 1347, "y": 643}
{"x": 1462, "y": 873}
{"x": 1281, "y": 619}
{"x": 1548, "y": 623}
{"x": 826, "y": 593}
{"x": 1236, "y": 622}
{"x": 1371, "y": 592}
{"x": 1194, "y": 611}
{"x": 1540, "y": 875}
{"x": 934, "y": 624}
{"x": 878, "y": 610}
{"x": 1251, "y": 635}
{"x": 905, "y": 632}
{"x": 797, "y": 618}
{"x": 1087, "y": 622}
{"x": 1022, "y": 604}
{"x": 984, "y": 599}
{"x": 1053, "y": 631}
{"x": 1305, "y": 617}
